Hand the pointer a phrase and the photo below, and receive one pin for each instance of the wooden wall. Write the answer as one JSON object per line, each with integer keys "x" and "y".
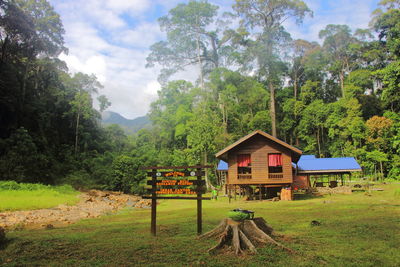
{"x": 259, "y": 147}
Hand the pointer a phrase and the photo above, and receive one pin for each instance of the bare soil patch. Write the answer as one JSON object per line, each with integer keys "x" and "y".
{"x": 92, "y": 204}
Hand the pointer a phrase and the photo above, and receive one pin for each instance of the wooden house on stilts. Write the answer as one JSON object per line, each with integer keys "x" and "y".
{"x": 261, "y": 166}
{"x": 260, "y": 160}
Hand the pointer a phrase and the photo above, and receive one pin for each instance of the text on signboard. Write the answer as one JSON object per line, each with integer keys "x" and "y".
{"x": 180, "y": 191}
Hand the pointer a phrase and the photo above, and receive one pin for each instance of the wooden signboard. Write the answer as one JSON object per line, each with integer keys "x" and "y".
{"x": 176, "y": 180}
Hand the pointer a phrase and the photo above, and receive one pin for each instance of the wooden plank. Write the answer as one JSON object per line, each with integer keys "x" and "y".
{"x": 160, "y": 197}
{"x": 199, "y": 208}
{"x": 259, "y": 149}
{"x": 154, "y": 207}
{"x": 176, "y": 182}
{"x": 176, "y": 167}
{"x": 171, "y": 174}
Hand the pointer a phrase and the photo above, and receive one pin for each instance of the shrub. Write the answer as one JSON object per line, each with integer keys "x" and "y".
{"x": 79, "y": 180}
{"x": 14, "y": 186}
{"x": 125, "y": 176}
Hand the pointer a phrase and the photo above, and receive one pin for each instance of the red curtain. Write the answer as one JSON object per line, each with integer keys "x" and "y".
{"x": 243, "y": 160}
{"x": 274, "y": 160}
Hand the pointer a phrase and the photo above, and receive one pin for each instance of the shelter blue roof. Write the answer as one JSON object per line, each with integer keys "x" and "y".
{"x": 309, "y": 163}
{"x": 304, "y": 157}
{"x": 222, "y": 166}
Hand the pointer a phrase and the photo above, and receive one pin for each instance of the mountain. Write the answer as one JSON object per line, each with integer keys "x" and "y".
{"x": 129, "y": 126}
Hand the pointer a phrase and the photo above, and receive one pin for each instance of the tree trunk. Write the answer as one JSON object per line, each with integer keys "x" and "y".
{"x": 224, "y": 116}
{"x": 243, "y": 236}
{"x": 295, "y": 86}
{"x": 319, "y": 145}
{"x": 341, "y": 77}
{"x": 3, "y": 53}
{"x": 199, "y": 59}
{"x": 272, "y": 108}
{"x": 215, "y": 52}
{"x": 206, "y": 171}
{"x": 76, "y": 133}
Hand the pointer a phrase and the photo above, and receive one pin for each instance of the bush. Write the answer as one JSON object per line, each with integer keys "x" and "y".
{"x": 14, "y": 186}
{"x": 9, "y": 185}
{"x": 138, "y": 189}
{"x": 125, "y": 175}
{"x": 79, "y": 180}
{"x": 394, "y": 173}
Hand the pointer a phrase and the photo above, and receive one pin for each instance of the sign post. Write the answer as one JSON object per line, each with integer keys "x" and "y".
{"x": 199, "y": 206}
{"x": 175, "y": 180}
{"x": 153, "y": 202}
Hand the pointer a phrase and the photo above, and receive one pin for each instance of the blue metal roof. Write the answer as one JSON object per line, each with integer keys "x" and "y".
{"x": 222, "y": 166}
{"x": 305, "y": 157}
{"x": 313, "y": 164}
{"x": 327, "y": 164}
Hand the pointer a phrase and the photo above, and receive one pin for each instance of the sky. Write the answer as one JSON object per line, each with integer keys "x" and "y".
{"x": 111, "y": 39}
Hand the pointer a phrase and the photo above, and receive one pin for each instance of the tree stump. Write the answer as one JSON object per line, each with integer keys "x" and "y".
{"x": 243, "y": 235}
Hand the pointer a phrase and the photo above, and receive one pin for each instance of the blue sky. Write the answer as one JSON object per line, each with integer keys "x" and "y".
{"x": 111, "y": 39}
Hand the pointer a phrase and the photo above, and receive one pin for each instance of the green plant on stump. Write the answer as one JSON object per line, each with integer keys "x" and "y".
{"x": 240, "y": 215}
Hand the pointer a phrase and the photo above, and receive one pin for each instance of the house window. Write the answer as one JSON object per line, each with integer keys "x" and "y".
{"x": 275, "y": 163}
{"x": 244, "y": 166}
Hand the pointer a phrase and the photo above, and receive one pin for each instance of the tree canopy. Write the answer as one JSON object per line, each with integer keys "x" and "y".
{"x": 336, "y": 97}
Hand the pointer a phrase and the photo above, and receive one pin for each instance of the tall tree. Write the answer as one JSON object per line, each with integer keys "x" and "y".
{"x": 202, "y": 134}
{"x": 386, "y": 23}
{"x": 263, "y": 19}
{"x": 241, "y": 100}
{"x": 47, "y": 26}
{"x": 104, "y": 103}
{"x": 172, "y": 111}
{"x": 338, "y": 44}
{"x": 84, "y": 85}
{"x": 302, "y": 49}
{"x": 192, "y": 39}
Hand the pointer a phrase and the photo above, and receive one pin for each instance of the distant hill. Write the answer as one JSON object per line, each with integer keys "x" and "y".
{"x": 129, "y": 126}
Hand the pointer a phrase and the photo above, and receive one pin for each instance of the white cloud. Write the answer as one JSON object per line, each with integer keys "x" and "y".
{"x": 131, "y": 6}
{"x": 102, "y": 40}
{"x": 93, "y": 65}
{"x": 111, "y": 39}
{"x": 143, "y": 35}
{"x": 355, "y": 13}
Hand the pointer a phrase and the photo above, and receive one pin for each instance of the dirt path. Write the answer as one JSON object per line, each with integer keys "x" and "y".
{"x": 92, "y": 204}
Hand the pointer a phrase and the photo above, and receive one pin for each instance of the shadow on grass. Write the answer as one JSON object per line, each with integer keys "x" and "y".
{"x": 306, "y": 196}
{"x": 4, "y": 243}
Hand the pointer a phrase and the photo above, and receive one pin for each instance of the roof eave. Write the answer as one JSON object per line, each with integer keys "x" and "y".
{"x": 328, "y": 171}
{"x": 241, "y": 140}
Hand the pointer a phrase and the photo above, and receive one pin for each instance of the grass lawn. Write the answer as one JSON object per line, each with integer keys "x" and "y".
{"x": 14, "y": 196}
{"x": 355, "y": 230}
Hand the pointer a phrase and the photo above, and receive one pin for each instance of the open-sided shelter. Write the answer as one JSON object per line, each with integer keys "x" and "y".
{"x": 326, "y": 171}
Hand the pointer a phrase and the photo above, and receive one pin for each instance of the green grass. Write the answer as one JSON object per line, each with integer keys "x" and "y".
{"x": 15, "y": 196}
{"x": 355, "y": 230}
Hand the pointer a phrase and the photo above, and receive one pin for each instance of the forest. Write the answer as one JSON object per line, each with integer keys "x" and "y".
{"x": 339, "y": 97}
